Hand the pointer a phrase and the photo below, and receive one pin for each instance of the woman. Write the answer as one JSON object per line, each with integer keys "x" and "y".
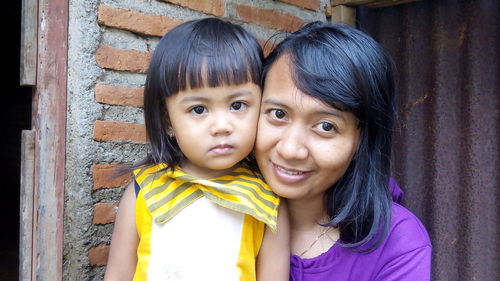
{"x": 324, "y": 143}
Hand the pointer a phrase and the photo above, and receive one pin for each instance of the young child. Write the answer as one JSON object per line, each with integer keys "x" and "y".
{"x": 197, "y": 210}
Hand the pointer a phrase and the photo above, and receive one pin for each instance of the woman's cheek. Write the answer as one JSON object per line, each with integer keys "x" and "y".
{"x": 266, "y": 134}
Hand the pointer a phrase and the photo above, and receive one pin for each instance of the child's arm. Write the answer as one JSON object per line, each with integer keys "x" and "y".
{"x": 273, "y": 262}
{"x": 122, "y": 258}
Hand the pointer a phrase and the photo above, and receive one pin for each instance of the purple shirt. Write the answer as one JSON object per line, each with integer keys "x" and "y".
{"x": 405, "y": 254}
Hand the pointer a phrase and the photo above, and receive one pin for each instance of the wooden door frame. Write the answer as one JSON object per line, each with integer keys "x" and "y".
{"x": 48, "y": 137}
{"x": 344, "y": 11}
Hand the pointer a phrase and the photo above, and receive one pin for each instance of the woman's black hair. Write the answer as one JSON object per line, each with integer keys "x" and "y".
{"x": 201, "y": 53}
{"x": 345, "y": 68}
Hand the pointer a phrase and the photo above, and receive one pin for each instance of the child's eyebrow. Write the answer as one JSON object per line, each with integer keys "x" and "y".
{"x": 194, "y": 98}
{"x": 239, "y": 94}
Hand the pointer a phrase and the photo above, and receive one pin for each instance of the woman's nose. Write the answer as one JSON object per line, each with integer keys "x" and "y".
{"x": 291, "y": 145}
{"x": 221, "y": 125}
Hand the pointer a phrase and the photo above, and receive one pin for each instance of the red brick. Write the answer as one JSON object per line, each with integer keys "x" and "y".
{"x": 98, "y": 256}
{"x": 308, "y": 4}
{"x": 147, "y": 24}
{"x": 119, "y": 131}
{"x": 328, "y": 10}
{"x": 269, "y": 18}
{"x": 213, "y": 7}
{"x": 119, "y": 95}
{"x": 124, "y": 60}
{"x": 104, "y": 176}
{"x": 104, "y": 213}
{"x": 267, "y": 46}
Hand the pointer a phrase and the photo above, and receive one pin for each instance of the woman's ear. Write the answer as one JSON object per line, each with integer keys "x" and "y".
{"x": 170, "y": 132}
{"x": 358, "y": 143}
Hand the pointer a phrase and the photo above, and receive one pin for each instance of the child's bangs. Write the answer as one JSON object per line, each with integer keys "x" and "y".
{"x": 211, "y": 53}
{"x": 218, "y": 65}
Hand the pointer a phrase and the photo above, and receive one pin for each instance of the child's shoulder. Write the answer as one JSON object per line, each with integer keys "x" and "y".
{"x": 149, "y": 175}
{"x": 147, "y": 170}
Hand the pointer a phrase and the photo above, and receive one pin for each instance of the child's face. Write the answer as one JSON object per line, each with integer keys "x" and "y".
{"x": 214, "y": 127}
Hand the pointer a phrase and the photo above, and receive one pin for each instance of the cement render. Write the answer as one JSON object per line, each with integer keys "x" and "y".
{"x": 85, "y": 36}
{"x": 82, "y": 152}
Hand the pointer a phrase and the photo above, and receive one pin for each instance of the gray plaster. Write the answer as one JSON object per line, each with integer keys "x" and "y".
{"x": 127, "y": 40}
{"x": 121, "y": 113}
{"x": 119, "y": 78}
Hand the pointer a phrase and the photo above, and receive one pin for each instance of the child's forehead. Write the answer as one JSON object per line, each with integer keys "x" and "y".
{"x": 225, "y": 90}
{"x": 216, "y": 74}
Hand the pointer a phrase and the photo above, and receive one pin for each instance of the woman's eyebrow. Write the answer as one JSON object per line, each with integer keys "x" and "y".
{"x": 333, "y": 112}
{"x": 275, "y": 103}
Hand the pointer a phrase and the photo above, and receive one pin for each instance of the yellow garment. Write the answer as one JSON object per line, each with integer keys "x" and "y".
{"x": 247, "y": 203}
{"x": 167, "y": 193}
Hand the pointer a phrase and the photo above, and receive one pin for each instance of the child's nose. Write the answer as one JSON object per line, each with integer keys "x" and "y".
{"x": 221, "y": 125}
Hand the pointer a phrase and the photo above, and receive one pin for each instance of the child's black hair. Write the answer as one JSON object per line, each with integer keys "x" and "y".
{"x": 348, "y": 70}
{"x": 201, "y": 53}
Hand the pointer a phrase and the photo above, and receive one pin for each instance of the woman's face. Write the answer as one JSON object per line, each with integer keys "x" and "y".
{"x": 303, "y": 145}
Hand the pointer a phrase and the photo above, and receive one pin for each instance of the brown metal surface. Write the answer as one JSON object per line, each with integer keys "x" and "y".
{"x": 446, "y": 151}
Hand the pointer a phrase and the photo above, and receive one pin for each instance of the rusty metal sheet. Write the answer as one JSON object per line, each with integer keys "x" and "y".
{"x": 446, "y": 150}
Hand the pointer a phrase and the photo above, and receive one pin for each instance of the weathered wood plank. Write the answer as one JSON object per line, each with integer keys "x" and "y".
{"x": 345, "y": 15}
{"x": 29, "y": 26}
{"x": 49, "y": 122}
{"x": 26, "y": 204}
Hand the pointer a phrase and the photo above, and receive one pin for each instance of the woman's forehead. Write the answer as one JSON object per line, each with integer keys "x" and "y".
{"x": 280, "y": 90}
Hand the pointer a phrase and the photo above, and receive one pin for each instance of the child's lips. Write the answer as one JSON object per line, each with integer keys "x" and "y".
{"x": 222, "y": 149}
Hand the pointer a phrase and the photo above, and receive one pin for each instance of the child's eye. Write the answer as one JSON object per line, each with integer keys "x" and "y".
{"x": 237, "y": 105}
{"x": 198, "y": 109}
{"x": 326, "y": 127}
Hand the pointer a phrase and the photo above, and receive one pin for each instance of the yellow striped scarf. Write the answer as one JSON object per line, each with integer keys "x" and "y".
{"x": 168, "y": 192}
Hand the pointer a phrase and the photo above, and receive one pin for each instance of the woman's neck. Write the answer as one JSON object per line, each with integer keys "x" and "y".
{"x": 306, "y": 214}
{"x": 308, "y": 238}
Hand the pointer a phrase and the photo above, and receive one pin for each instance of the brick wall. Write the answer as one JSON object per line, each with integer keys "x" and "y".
{"x": 105, "y": 123}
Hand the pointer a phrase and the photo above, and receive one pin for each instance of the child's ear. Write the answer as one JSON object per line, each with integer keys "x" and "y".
{"x": 167, "y": 125}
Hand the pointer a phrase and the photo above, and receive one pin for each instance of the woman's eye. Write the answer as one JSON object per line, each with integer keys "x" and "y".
{"x": 237, "y": 105}
{"x": 198, "y": 109}
{"x": 326, "y": 127}
{"x": 278, "y": 113}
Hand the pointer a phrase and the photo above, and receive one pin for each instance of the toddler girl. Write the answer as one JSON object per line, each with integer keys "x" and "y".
{"x": 197, "y": 210}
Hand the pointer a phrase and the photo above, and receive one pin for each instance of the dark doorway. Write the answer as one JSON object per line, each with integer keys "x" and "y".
{"x": 16, "y": 116}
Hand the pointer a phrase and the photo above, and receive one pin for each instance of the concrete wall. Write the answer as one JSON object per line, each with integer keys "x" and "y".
{"x": 110, "y": 44}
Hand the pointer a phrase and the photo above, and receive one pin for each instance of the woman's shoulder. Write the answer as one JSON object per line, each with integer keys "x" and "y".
{"x": 406, "y": 251}
{"x": 406, "y": 231}
{"x": 405, "y": 228}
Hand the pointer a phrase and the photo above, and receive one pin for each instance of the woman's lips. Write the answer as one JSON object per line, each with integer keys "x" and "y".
{"x": 289, "y": 175}
{"x": 222, "y": 149}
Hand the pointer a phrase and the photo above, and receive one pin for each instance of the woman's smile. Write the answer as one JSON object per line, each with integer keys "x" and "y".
{"x": 289, "y": 175}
